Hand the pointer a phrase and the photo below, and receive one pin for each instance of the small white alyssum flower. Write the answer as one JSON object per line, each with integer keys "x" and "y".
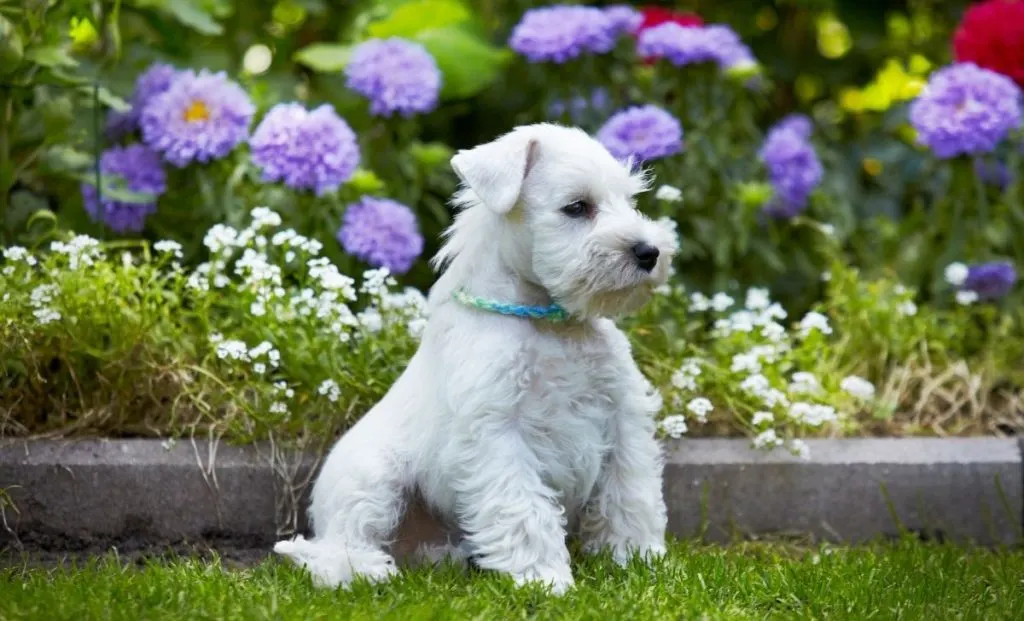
{"x": 669, "y": 194}
{"x": 699, "y": 302}
{"x": 956, "y": 274}
{"x": 700, "y": 408}
{"x": 858, "y": 387}
{"x": 674, "y": 426}
{"x": 814, "y": 321}
{"x": 907, "y": 309}
{"x": 804, "y": 383}
{"x": 812, "y": 414}
{"x": 757, "y": 299}
{"x": 168, "y": 246}
{"x": 966, "y": 297}
{"x": 721, "y": 302}
{"x": 760, "y": 418}
{"x": 767, "y": 440}
{"x": 330, "y": 389}
{"x": 800, "y": 449}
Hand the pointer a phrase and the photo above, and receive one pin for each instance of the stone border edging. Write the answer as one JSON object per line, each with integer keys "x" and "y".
{"x": 851, "y": 490}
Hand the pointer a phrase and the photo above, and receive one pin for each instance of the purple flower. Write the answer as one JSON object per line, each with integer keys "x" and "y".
{"x": 135, "y": 168}
{"x": 794, "y": 169}
{"x": 560, "y": 33}
{"x": 798, "y": 123}
{"x": 152, "y": 82}
{"x": 965, "y": 110}
{"x": 644, "y": 132}
{"x": 623, "y": 18}
{"x": 381, "y": 232}
{"x": 990, "y": 280}
{"x": 201, "y": 117}
{"x": 396, "y": 75}
{"x": 307, "y": 150}
{"x": 689, "y": 45}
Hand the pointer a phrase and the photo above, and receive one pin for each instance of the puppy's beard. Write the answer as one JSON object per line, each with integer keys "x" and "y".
{"x": 620, "y": 292}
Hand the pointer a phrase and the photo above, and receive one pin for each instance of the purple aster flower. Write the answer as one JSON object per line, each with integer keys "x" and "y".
{"x": 135, "y": 168}
{"x": 644, "y": 132}
{"x": 560, "y": 33}
{"x": 201, "y": 117}
{"x": 381, "y": 232}
{"x": 965, "y": 110}
{"x": 152, "y": 82}
{"x": 623, "y": 18}
{"x": 396, "y": 75}
{"x": 990, "y": 280}
{"x": 794, "y": 169}
{"x": 690, "y": 45}
{"x": 307, "y": 150}
{"x": 798, "y": 123}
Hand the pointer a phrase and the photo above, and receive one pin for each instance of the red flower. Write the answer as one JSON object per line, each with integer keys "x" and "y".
{"x": 656, "y": 16}
{"x": 991, "y": 35}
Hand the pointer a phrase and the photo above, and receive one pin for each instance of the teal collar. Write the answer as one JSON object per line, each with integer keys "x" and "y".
{"x": 554, "y": 312}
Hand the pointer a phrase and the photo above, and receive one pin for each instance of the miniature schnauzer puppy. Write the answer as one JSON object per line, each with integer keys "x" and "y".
{"x": 522, "y": 418}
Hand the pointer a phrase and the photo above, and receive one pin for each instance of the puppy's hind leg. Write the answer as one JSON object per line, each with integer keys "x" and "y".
{"x": 357, "y": 504}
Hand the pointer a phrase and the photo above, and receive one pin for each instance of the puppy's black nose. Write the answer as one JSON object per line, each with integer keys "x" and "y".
{"x": 646, "y": 256}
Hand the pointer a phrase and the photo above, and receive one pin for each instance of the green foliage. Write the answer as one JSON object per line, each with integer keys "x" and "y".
{"x": 886, "y": 220}
{"x": 265, "y": 338}
{"x": 908, "y": 579}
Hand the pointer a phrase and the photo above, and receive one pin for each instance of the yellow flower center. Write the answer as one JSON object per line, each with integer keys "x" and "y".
{"x": 197, "y": 111}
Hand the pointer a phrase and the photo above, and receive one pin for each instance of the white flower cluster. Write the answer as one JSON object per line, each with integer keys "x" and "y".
{"x": 40, "y": 300}
{"x": 685, "y": 377}
{"x": 259, "y": 356}
{"x": 674, "y": 426}
{"x": 956, "y": 275}
{"x": 330, "y": 389}
{"x": 170, "y": 247}
{"x": 858, "y": 387}
{"x": 82, "y": 250}
{"x": 669, "y": 194}
{"x": 17, "y": 254}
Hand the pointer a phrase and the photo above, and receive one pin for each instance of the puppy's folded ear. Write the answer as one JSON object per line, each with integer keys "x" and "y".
{"x": 495, "y": 171}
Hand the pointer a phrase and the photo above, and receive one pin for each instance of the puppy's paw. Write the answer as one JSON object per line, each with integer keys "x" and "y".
{"x": 558, "y": 579}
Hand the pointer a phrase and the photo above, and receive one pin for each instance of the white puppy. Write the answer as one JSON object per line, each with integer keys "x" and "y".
{"x": 516, "y": 430}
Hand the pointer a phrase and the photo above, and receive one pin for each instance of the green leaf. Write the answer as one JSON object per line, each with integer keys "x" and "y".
{"x": 469, "y": 65}
{"x": 50, "y": 56}
{"x": 191, "y": 14}
{"x": 324, "y": 57}
{"x": 63, "y": 158}
{"x": 113, "y": 187}
{"x": 414, "y": 17}
{"x": 107, "y": 98}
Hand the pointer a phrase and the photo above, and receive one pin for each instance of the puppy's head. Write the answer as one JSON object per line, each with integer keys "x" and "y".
{"x": 566, "y": 217}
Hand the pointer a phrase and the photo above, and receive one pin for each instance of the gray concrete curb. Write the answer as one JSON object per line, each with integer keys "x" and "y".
{"x": 851, "y": 490}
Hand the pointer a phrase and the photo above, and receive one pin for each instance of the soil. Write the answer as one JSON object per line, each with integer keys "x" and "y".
{"x": 44, "y": 551}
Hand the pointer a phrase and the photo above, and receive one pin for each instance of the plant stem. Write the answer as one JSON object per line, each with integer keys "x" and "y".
{"x": 6, "y": 105}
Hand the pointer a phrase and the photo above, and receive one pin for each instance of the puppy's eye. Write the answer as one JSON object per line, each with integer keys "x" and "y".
{"x": 578, "y": 209}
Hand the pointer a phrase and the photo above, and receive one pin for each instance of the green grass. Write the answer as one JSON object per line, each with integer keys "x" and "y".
{"x": 899, "y": 581}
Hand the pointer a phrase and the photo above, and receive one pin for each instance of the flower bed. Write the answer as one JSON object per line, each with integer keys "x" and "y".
{"x": 848, "y": 262}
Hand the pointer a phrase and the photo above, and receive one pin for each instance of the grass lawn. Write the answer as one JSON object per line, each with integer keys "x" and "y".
{"x": 905, "y": 580}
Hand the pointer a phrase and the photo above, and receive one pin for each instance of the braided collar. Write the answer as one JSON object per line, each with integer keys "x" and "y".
{"x": 554, "y": 312}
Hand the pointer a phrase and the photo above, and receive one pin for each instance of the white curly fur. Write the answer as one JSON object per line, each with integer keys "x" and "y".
{"x": 515, "y": 432}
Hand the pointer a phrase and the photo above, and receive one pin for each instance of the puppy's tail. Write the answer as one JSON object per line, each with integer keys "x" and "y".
{"x": 332, "y": 564}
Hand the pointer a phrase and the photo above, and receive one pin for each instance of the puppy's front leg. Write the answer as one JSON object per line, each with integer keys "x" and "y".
{"x": 626, "y": 512}
{"x": 513, "y": 522}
